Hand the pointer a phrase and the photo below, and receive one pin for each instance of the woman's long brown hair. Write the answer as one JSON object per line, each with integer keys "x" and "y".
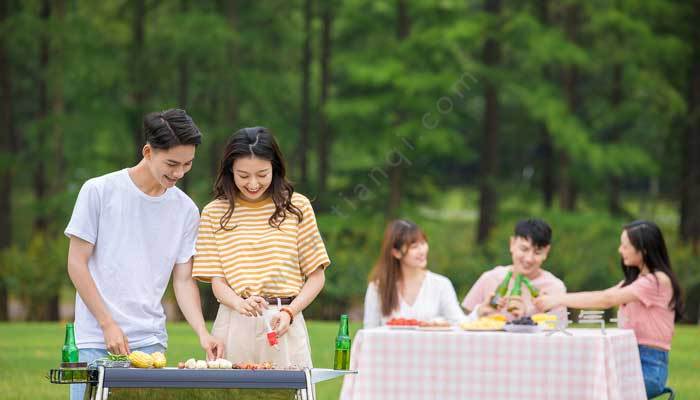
{"x": 255, "y": 142}
{"x": 386, "y": 274}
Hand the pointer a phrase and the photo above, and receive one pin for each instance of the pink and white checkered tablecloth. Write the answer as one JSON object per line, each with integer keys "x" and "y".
{"x": 406, "y": 364}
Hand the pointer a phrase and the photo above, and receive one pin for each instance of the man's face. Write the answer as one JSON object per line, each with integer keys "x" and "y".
{"x": 169, "y": 166}
{"x": 527, "y": 258}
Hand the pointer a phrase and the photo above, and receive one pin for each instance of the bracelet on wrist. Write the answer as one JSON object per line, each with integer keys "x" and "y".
{"x": 289, "y": 312}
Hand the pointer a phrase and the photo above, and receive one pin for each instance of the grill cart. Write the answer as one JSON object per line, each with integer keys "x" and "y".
{"x": 106, "y": 382}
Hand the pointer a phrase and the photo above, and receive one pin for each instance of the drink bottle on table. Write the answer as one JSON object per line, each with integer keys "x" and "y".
{"x": 516, "y": 292}
{"x": 501, "y": 290}
{"x": 342, "y": 345}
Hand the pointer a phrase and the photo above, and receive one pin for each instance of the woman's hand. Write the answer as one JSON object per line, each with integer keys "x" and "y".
{"x": 253, "y": 306}
{"x": 546, "y": 302}
{"x": 280, "y": 323}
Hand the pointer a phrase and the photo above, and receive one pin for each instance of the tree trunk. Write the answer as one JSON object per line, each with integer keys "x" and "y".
{"x": 567, "y": 183}
{"x": 305, "y": 118}
{"x": 403, "y": 30}
{"x": 614, "y": 181}
{"x": 488, "y": 164}
{"x": 183, "y": 102}
{"x": 40, "y": 181}
{"x": 546, "y": 147}
{"x": 8, "y": 148}
{"x": 690, "y": 196}
{"x": 137, "y": 68}
{"x": 325, "y": 138}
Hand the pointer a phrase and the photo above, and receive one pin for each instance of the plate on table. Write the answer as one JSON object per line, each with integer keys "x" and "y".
{"x": 482, "y": 329}
{"x": 402, "y": 327}
{"x": 522, "y": 328}
{"x": 437, "y": 328}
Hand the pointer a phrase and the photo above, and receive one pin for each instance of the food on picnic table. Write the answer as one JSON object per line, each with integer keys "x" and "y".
{"x": 403, "y": 322}
{"x": 490, "y": 323}
{"x": 547, "y": 321}
{"x": 434, "y": 323}
{"x": 140, "y": 359}
{"x": 523, "y": 321}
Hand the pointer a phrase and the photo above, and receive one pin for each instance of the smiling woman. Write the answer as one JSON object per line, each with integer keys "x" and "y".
{"x": 260, "y": 248}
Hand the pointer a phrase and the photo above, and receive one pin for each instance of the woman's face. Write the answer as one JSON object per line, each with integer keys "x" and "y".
{"x": 631, "y": 257}
{"x": 252, "y": 176}
{"x": 414, "y": 255}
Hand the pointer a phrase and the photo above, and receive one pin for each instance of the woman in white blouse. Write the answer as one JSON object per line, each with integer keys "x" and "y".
{"x": 400, "y": 285}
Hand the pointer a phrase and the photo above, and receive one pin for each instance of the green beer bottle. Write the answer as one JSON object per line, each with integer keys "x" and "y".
{"x": 342, "y": 345}
{"x": 501, "y": 290}
{"x": 70, "y": 350}
{"x": 517, "y": 290}
{"x": 534, "y": 292}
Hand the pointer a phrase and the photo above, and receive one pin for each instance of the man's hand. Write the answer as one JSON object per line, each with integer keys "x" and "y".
{"x": 115, "y": 339}
{"x": 516, "y": 306}
{"x": 485, "y": 308}
{"x": 212, "y": 345}
{"x": 280, "y": 323}
{"x": 253, "y": 306}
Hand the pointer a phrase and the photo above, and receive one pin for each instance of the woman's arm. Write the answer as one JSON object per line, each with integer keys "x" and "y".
{"x": 373, "y": 312}
{"x": 449, "y": 306}
{"x": 312, "y": 287}
{"x": 611, "y": 297}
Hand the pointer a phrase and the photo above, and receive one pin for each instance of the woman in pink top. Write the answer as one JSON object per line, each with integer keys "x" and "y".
{"x": 649, "y": 299}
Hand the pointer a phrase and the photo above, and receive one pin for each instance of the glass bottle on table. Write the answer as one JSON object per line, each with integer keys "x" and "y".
{"x": 516, "y": 292}
{"x": 534, "y": 292}
{"x": 69, "y": 353}
{"x": 501, "y": 291}
{"x": 342, "y": 345}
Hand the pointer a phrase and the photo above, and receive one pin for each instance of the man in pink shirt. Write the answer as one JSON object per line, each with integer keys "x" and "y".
{"x": 529, "y": 247}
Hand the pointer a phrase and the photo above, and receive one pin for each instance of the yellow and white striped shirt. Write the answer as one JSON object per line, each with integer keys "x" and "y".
{"x": 255, "y": 258}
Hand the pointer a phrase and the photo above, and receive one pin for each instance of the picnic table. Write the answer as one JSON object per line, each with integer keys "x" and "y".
{"x": 414, "y": 364}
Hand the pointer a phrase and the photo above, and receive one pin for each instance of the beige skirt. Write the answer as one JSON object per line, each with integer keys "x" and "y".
{"x": 246, "y": 339}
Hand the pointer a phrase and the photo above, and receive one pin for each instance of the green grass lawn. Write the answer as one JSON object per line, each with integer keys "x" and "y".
{"x": 28, "y": 351}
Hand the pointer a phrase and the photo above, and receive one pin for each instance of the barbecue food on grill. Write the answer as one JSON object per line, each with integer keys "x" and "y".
{"x": 140, "y": 359}
{"x": 159, "y": 360}
{"x": 191, "y": 363}
{"x": 254, "y": 366}
{"x": 201, "y": 364}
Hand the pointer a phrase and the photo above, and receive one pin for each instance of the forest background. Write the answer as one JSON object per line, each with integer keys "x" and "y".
{"x": 464, "y": 116}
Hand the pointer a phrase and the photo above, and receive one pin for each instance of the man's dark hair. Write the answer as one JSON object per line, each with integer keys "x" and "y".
{"x": 170, "y": 128}
{"x": 534, "y": 230}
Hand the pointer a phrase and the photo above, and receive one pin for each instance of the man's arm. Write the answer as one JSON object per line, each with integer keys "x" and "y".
{"x": 187, "y": 295}
{"x": 79, "y": 253}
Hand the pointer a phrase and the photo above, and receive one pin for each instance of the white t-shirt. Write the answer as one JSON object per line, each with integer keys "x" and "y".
{"x": 436, "y": 298}
{"x": 138, "y": 239}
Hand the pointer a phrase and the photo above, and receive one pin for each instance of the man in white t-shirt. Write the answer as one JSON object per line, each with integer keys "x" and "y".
{"x": 129, "y": 231}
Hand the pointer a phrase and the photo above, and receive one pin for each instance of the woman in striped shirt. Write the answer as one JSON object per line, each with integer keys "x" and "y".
{"x": 259, "y": 245}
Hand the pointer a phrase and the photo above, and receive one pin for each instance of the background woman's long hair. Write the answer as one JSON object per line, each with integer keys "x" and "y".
{"x": 386, "y": 273}
{"x": 646, "y": 237}
{"x": 258, "y": 142}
